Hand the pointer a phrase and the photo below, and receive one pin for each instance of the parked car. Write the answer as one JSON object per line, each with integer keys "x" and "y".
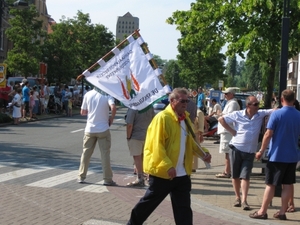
{"x": 238, "y": 96}
{"x": 158, "y": 106}
{"x": 242, "y": 97}
{"x": 17, "y": 80}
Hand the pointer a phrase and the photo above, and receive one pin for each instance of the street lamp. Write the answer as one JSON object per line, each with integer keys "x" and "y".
{"x": 284, "y": 46}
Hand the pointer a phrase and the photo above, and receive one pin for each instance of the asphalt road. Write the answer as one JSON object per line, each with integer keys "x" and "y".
{"x": 59, "y": 141}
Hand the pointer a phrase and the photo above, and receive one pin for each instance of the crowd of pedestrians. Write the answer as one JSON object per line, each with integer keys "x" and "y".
{"x": 163, "y": 146}
{"x": 24, "y": 102}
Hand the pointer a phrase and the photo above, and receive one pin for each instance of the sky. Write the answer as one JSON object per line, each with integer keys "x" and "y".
{"x": 160, "y": 36}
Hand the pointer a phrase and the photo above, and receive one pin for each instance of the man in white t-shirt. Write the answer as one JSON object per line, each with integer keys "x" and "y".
{"x": 225, "y": 137}
{"x": 215, "y": 114}
{"x": 96, "y": 106}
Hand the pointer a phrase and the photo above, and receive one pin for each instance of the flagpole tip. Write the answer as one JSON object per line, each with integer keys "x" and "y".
{"x": 79, "y": 77}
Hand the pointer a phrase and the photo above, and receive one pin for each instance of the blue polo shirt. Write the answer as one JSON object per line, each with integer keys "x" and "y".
{"x": 285, "y": 124}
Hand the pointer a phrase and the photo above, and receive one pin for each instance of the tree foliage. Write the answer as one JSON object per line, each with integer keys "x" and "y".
{"x": 248, "y": 26}
{"x": 75, "y": 45}
{"x": 199, "y": 47}
{"x": 172, "y": 74}
{"x": 27, "y": 35}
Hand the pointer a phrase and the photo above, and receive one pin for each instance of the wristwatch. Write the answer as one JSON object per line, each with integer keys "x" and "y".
{"x": 261, "y": 151}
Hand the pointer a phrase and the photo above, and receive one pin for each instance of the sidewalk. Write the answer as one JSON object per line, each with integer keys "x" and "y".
{"x": 218, "y": 192}
{"x": 44, "y": 116}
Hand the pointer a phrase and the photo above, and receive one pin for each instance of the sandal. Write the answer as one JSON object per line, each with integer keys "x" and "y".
{"x": 291, "y": 209}
{"x": 256, "y": 216}
{"x": 280, "y": 217}
{"x": 237, "y": 203}
{"x": 223, "y": 175}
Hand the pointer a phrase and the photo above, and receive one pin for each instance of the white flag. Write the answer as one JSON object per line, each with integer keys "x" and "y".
{"x": 129, "y": 77}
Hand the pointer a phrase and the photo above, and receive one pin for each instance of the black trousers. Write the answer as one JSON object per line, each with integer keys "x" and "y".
{"x": 179, "y": 189}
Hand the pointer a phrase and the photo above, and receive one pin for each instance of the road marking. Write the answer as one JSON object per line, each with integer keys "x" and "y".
{"x": 75, "y": 131}
{"x": 56, "y": 180}
{"x": 23, "y": 172}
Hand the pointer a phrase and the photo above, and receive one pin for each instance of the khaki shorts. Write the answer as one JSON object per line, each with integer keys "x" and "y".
{"x": 224, "y": 142}
{"x": 136, "y": 147}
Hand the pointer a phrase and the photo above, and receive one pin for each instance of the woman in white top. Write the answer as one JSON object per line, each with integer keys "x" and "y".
{"x": 36, "y": 97}
{"x": 17, "y": 101}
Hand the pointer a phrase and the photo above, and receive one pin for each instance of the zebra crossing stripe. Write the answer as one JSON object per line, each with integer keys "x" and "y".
{"x": 56, "y": 180}
{"x": 21, "y": 173}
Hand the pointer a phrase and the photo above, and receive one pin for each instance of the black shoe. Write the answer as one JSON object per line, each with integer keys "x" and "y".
{"x": 217, "y": 142}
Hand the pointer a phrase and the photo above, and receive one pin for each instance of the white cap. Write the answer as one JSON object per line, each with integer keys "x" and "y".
{"x": 229, "y": 90}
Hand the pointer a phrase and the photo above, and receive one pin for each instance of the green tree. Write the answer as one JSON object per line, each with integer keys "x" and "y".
{"x": 196, "y": 69}
{"x": 159, "y": 61}
{"x": 75, "y": 45}
{"x": 252, "y": 75}
{"x": 249, "y": 26}
{"x": 231, "y": 70}
{"x": 27, "y": 35}
{"x": 172, "y": 74}
{"x": 200, "y": 58}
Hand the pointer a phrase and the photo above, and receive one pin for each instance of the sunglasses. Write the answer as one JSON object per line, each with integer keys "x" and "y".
{"x": 183, "y": 100}
{"x": 254, "y": 104}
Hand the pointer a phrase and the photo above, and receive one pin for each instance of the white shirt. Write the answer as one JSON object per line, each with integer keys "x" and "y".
{"x": 259, "y": 97}
{"x": 217, "y": 109}
{"x": 180, "y": 169}
{"x": 97, "y": 106}
{"x": 247, "y": 130}
{"x": 36, "y": 96}
{"x": 230, "y": 106}
{"x": 46, "y": 91}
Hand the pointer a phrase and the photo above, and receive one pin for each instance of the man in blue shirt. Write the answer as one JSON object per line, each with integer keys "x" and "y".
{"x": 283, "y": 130}
{"x": 243, "y": 145}
{"x": 25, "y": 94}
{"x": 201, "y": 100}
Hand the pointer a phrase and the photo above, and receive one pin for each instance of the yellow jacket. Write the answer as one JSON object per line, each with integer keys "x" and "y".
{"x": 162, "y": 144}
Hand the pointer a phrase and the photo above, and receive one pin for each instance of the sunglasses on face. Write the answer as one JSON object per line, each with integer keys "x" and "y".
{"x": 254, "y": 104}
{"x": 183, "y": 100}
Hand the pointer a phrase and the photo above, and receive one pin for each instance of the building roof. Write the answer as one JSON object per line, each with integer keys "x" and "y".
{"x": 127, "y": 14}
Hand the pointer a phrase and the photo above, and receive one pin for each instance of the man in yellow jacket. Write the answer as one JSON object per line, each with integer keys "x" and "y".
{"x": 168, "y": 158}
